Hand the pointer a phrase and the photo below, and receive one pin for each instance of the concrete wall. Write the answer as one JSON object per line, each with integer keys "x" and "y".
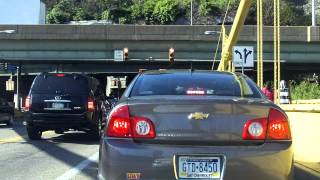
{"x": 96, "y": 43}
{"x": 141, "y": 33}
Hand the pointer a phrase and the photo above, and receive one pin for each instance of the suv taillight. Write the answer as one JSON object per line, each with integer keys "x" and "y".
{"x": 123, "y": 126}
{"x": 275, "y": 127}
{"x": 27, "y": 105}
{"x": 90, "y": 104}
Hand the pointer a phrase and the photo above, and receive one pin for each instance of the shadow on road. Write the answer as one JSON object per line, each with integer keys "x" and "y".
{"x": 51, "y": 147}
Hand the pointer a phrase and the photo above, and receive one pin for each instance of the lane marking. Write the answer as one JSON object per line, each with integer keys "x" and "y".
{"x": 11, "y": 140}
{"x": 78, "y": 168}
{"x": 20, "y": 138}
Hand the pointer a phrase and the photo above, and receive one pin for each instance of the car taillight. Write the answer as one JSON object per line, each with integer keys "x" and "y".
{"x": 275, "y": 127}
{"x": 90, "y": 104}
{"x": 255, "y": 129}
{"x": 123, "y": 126}
{"x": 278, "y": 127}
{"x": 27, "y": 104}
{"x": 142, "y": 128}
{"x": 60, "y": 75}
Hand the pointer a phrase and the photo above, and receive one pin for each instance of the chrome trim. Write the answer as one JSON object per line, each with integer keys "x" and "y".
{"x": 57, "y": 109}
{"x": 54, "y": 100}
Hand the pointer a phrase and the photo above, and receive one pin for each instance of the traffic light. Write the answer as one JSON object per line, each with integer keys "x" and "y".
{"x": 125, "y": 54}
{"x": 171, "y": 54}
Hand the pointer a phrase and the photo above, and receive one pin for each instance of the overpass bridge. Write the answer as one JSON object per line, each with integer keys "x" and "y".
{"x": 90, "y": 49}
{"x": 84, "y": 48}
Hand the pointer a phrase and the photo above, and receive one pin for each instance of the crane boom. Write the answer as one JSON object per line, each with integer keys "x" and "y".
{"x": 238, "y": 23}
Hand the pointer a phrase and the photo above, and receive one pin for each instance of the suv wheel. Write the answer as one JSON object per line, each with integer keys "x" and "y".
{"x": 33, "y": 133}
{"x": 10, "y": 121}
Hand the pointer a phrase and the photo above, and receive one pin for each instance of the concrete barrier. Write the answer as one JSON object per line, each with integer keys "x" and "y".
{"x": 311, "y": 108}
{"x": 305, "y": 129}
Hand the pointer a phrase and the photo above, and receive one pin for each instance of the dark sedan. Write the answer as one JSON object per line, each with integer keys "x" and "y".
{"x": 186, "y": 124}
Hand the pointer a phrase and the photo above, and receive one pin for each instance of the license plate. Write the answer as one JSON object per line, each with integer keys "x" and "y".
{"x": 199, "y": 167}
{"x": 57, "y": 105}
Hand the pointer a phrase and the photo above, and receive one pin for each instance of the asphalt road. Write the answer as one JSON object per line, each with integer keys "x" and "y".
{"x": 68, "y": 156}
{"x": 72, "y": 155}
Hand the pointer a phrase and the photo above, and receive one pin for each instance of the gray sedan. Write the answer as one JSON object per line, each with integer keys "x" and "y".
{"x": 187, "y": 124}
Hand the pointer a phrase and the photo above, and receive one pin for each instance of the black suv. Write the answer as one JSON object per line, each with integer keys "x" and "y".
{"x": 62, "y": 102}
{"x": 6, "y": 111}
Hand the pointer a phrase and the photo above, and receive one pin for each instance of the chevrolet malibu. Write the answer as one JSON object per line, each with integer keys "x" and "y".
{"x": 190, "y": 124}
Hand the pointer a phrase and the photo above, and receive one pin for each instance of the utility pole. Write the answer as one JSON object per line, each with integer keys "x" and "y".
{"x": 314, "y": 22}
{"x": 191, "y": 14}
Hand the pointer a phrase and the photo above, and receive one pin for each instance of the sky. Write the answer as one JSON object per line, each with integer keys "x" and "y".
{"x": 19, "y": 11}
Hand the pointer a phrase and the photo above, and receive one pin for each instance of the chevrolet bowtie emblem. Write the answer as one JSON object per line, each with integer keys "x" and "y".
{"x": 198, "y": 116}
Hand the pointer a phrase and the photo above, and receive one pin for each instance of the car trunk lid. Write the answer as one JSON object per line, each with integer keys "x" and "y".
{"x": 199, "y": 119}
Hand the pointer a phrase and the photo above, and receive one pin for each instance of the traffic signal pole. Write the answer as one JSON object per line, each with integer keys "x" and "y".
{"x": 231, "y": 40}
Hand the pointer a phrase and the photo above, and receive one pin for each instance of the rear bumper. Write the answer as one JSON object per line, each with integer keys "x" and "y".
{"x": 265, "y": 162}
{"x": 57, "y": 120}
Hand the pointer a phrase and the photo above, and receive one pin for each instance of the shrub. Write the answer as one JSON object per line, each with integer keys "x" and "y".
{"x": 305, "y": 90}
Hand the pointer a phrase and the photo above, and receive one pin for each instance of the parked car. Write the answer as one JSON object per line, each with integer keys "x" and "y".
{"x": 6, "y": 111}
{"x": 62, "y": 102}
{"x": 189, "y": 124}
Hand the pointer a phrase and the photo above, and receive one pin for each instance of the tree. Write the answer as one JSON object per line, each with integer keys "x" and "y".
{"x": 61, "y": 12}
{"x": 137, "y": 11}
{"x": 165, "y": 11}
{"x": 148, "y": 8}
{"x": 105, "y": 15}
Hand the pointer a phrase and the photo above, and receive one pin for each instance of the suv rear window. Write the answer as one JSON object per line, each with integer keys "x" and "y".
{"x": 53, "y": 84}
{"x": 182, "y": 83}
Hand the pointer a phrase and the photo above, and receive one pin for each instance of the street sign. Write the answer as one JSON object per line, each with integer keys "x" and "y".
{"x": 118, "y": 55}
{"x": 243, "y": 56}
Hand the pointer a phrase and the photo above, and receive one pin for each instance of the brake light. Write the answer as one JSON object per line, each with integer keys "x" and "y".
{"x": 195, "y": 92}
{"x": 60, "y": 75}
{"x": 27, "y": 104}
{"x": 123, "y": 126}
{"x": 278, "y": 128}
{"x": 90, "y": 104}
{"x": 275, "y": 127}
{"x": 119, "y": 123}
{"x": 255, "y": 129}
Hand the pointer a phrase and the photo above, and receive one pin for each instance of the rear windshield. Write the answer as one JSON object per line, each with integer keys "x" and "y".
{"x": 187, "y": 83}
{"x": 66, "y": 84}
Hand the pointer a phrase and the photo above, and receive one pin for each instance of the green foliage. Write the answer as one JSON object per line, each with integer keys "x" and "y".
{"x": 61, "y": 13}
{"x": 105, "y": 15}
{"x": 136, "y": 11}
{"x": 305, "y": 90}
{"x": 80, "y": 14}
{"x": 148, "y": 8}
{"x": 168, "y": 11}
{"x": 165, "y": 11}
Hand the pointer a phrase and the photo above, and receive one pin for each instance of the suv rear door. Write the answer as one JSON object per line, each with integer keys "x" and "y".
{"x": 67, "y": 93}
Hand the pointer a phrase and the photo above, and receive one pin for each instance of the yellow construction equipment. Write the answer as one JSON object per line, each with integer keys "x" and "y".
{"x": 260, "y": 43}
{"x": 241, "y": 15}
{"x": 230, "y": 40}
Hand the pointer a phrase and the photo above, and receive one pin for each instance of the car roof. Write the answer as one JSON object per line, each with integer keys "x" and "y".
{"x": 176, "y": 71}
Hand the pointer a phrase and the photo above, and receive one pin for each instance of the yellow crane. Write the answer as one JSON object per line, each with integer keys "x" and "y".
{"x": 230, "y": 40}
